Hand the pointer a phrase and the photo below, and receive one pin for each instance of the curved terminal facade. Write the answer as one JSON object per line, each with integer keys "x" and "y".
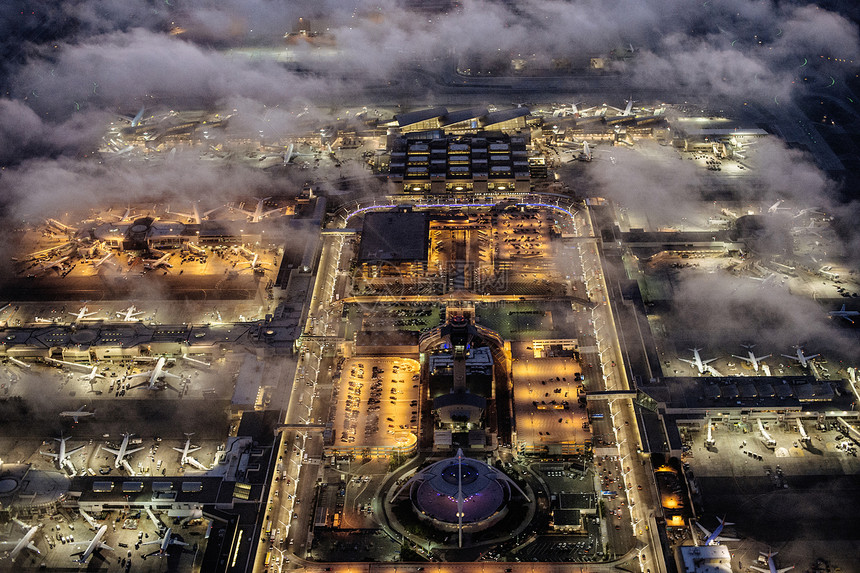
{"x": 460, "y": 494}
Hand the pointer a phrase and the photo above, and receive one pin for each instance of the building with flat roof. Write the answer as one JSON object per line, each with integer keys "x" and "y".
{"x": 393, "y": 243}
{"x": 454, "y": 164}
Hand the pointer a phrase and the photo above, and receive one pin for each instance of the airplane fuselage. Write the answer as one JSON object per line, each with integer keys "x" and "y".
{"x": 25, "y": 541}
{"x": 122, "y": 448}
{"x": 94, "y": 544}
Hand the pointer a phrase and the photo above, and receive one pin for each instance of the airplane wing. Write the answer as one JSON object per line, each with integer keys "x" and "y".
{"x": 105, "y": 546}
{"x": 111, "y": 450}
{"x": 49, "y": 454}
{"x": 132, "y": 450}
{"x": 175, "y": 541}
{"x": 708, "y": 361}
{"x": 690, "y": 362}
{"x": 744, "y": 358}
{"x": 702, "y": 527}
{"x": 70, "y": 452}
{"x": 169, "y": 375}
{"x": 146, "y": 374}
{"x": 159, "y": 540}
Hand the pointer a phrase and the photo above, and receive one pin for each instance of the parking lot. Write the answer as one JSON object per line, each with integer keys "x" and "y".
{"x": 377, "y": 402}
{"x": 546, "y": 401}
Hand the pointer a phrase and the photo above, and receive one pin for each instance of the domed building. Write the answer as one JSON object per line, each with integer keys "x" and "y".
{"x": 460, "y": 494}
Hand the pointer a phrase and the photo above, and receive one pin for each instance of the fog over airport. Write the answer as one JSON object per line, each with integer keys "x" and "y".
{"x": 69, "y": 68}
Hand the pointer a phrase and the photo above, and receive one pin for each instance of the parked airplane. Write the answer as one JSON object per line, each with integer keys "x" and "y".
{"x": 79, "y": 413}
{"x": 712, "y": 538}
{"x": 122, "y": 452}
{"x": 165, "y": 542}
{"x": 26, "y": 542}
{"x": 47, "y": 266}
{"x": 771, "y": 567}
{"x": 187, "y": 449}
{"x": 258, "y": 214}
{"x": 846, "y": 314}
{"x": 126, "y": 217}
{"x": 254, "y": 264}
{"x": 135, "y": 121}
{"x": 751, "y": 358}
{"x": 93, "y": 546}
{"x": 291, "y": 154}
{"x": 776, "y": 207}
{"x": 90, "y": 371}
{"x": 801, "y": 357}
{"x": 129, "y": 314}
{"x": 803, "y": 212}
{"x": 62, "y": 456}
{"x": 152, "y": 264}
{"x": 195, "y": 215}
{"x": 101, "y": 261}
{"x": 155, "y": 377}
{"x": 82, "y": 314}
{"x": 701, "y": 365}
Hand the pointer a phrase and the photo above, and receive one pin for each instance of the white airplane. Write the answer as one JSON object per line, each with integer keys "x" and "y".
{"x": 26, "y": 542}
{"x": 82, "y": 314}
{"x": 258, "y": 214}
{"x": 155, "y": 377}
{"x": 101, "y": 261}
{"x": 75, "y": 414}
{"x": 62, "y": 455}
{"x": 846, "y": 314}
{"x": 165, "y": 542}
{"x": 128, "y": 315}
{"x": 751, "y": 358}
{"x": 697, "y": 361}
{"x": 93, "y": 546}
{"x": 47, "y": 266}
{"x": 291, "y": 154}
{"x": 586, "y": 154}
{"x": 712, "y": 538}
{"x": 572, "y": 110}
{"x": 803, "y": 212}
{"x": 152, "y": 264}
{"x": 61, "y": 226}
{"x": 254, "y": 264}
{"x": 91, "y": 375}
{"x": 187, "y": 449}
{"x": 771, "y": 567}
{"x": 629, "y": 108}
{"x": 801, "y": 357}
{"x": 776, "y": 207}
{"x": 90, "y": 372}
{"x": 193, "y": 216}
{"x": 125, "y": 217}
{"x": 134, "y": 121}
{"x": 122, "y": 452}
